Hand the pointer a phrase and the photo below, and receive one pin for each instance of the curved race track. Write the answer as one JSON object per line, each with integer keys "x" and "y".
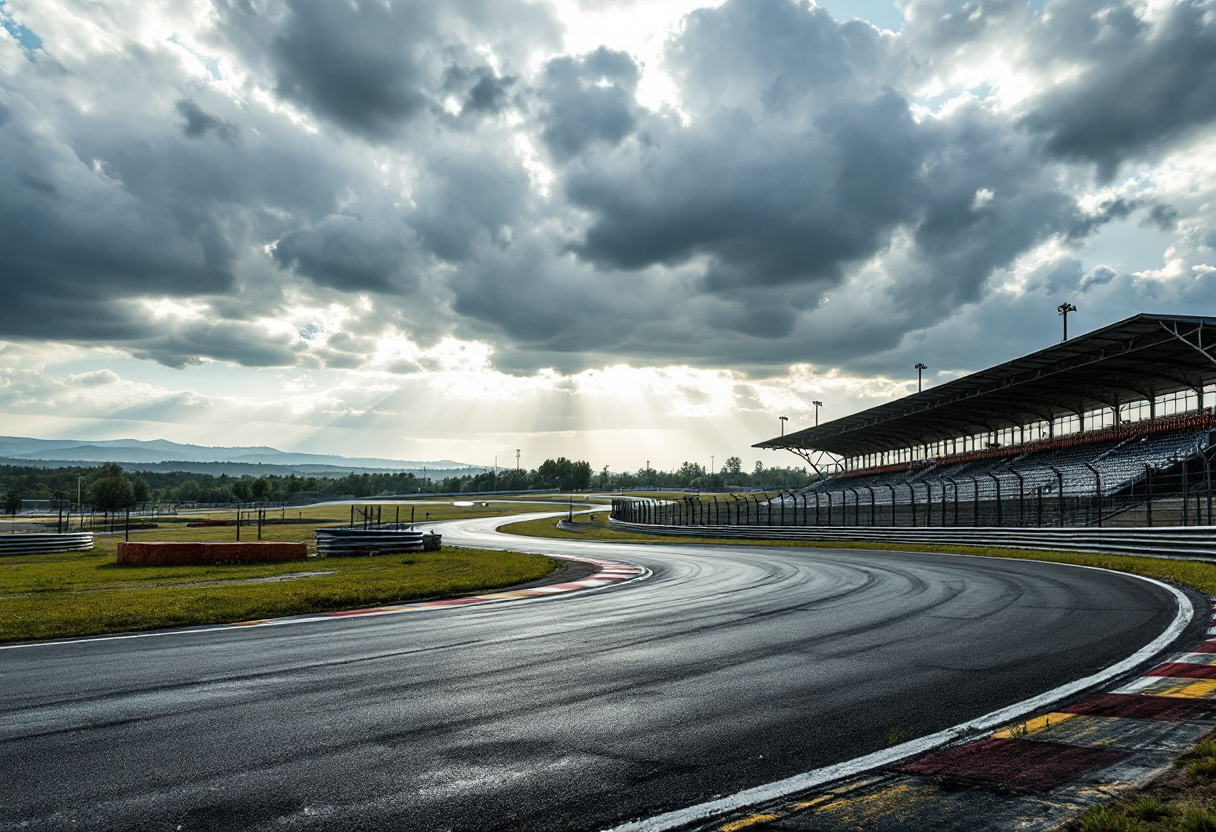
{"x": 729, "y": 668}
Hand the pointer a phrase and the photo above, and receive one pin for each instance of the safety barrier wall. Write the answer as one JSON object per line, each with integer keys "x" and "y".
{"x": 37, "y": 543}
{"x": 1191, "y": 542}
{"x": 348, "y": 542}
{"x": 190, "y": 553}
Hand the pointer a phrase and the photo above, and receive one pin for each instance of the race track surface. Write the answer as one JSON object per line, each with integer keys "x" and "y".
{"x": 729, "y": 668}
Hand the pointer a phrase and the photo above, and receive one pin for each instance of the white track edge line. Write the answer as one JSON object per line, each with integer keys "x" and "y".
{"x": 859, "y": 765}
{"x": 415, "y": 606}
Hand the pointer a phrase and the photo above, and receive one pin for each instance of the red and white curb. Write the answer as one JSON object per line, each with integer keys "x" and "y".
{"x": 608, "y": 573}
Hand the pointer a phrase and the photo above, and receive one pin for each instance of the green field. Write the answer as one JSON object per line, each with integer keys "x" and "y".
{"x": 88, "y": 593}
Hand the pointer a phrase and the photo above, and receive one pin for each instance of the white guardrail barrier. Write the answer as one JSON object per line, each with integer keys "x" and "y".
{"x": 44, "y": 543}
{"x": 1185, "y": 542}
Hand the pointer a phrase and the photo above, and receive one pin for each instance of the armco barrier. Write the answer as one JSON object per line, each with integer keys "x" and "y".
{"x": 345, "y": 542}
{"x": 39, "y": 543}
{"x": 193, "y": 554}
{"x": 1185, "y": 542}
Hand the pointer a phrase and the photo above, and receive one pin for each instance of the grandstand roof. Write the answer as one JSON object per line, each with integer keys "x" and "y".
{"x": 1136, "y": 359}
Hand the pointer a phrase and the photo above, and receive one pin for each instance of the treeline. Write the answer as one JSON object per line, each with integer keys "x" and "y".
{"x": 108, "y": 487}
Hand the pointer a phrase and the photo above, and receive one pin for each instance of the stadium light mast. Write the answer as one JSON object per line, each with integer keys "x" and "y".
{"x": 783, "y": 419}
{"x": 1064, "y": 309}
{"x": 817, "y": 406}
{"x": 920, "y": 368}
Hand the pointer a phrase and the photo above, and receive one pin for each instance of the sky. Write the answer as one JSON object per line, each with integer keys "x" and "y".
{"x": 626, "y": 232}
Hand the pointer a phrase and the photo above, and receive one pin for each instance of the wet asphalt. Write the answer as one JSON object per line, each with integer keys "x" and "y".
{"x": 729, "y": 668}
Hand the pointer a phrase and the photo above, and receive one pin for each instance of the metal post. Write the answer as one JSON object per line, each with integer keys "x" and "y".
{"x": 892, "y": 489}
{"x": 1185, "y": 495}
{"x": 817, "y": 509}
{"x": 1000, "y": 519}
{"x": 871, "y": 490}
{"x": 829, "y": 495}
{"x": 1021, "y": 497}
{"x": 1060, "y": 485}
{"x": 1148, "y": 493}
{"x": 912, "y": 493}
{"x": 1097, "y": 490}
{"x": 955, "y": 484}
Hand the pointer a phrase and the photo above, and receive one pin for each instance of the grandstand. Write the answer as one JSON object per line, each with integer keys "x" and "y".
{"x": 1112, "y": 427}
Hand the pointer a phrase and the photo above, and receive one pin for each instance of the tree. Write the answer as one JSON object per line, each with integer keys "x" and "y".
{"x": 733, "y": 465}
{"x": 690, "y": 473}
{"x": 189, "y": 491}
{"x": 260, "y": 488}
{"x": 140, "y": 490}
{"x": 563, "y": 474}
{"x": 241, "y": 490}
{"x": 113, "y": 490}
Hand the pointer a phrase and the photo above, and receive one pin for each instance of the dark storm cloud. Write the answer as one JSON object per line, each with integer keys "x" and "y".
{"x": 71, "y": 233}
{"x": 351, "y": 253}
{"x": 479, "y": 90}
{"x": 468, "y": 201}
{"x": 199, "y": 122}
{"x": 798, "y": 204}
{"x": 375, "y": 67}
{"x": 800, "y": 164}
{"x": 358, "y": 63}
{"x": 588, "y": 100}
{"x": 1141, "y": 86}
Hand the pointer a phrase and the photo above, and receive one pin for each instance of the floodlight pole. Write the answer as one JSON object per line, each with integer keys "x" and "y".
{"x": 920, "y": 368}
{"x": 783, "y": 419}
{"x": 817, "y": 406}
{"x": 1064, "y": 309}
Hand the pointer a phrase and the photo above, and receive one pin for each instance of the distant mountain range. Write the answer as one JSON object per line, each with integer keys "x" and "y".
{"x": 162, "y": 455}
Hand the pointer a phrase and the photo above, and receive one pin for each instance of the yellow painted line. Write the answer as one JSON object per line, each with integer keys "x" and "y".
{"x": 1032, "y": 726}
{"x": 810, "y": 804}
{"x": 1180, "y": 688}
{"x": 745, "y": 822}
{"x": 898, "y": 804}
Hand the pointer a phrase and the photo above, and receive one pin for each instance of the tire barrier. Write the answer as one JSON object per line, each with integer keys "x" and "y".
{"x": 38, "y": 543}
{"x": 342, "y": 542}
{"x": 198, "y": 554}
{"x": 1186, "y": 542}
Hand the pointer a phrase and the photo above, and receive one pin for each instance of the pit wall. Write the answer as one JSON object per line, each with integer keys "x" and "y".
{"x": 197, "y": 554}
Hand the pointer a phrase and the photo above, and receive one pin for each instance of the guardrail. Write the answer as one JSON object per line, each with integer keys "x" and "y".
{"x": 1184, "y": 542}
{"x": 348, "y": 542}
{"x": 40, "y": 543}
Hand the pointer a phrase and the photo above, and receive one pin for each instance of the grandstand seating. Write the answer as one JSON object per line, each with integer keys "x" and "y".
{"x": 1123, "y": 457}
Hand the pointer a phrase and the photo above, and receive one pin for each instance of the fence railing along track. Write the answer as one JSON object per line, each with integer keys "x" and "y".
{"x": 1189, "y": 542}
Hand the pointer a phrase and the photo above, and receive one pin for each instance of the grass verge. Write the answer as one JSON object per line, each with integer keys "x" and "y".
{"x": 1182, "y": 799}
{"x": 87, "y": 593}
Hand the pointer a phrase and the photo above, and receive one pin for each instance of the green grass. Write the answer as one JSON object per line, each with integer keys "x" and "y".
{"x": 88, "y": 593}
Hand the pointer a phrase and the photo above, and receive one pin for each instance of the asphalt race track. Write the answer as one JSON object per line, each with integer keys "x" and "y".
{"x": 729, "y": 668}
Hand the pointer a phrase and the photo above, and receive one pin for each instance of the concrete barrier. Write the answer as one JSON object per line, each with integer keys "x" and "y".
{"x": 1178, "y": 542}
{"x": 197, "y": 554}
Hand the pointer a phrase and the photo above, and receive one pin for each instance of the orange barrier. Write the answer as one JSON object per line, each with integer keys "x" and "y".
{"x": 186, "y": 554}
